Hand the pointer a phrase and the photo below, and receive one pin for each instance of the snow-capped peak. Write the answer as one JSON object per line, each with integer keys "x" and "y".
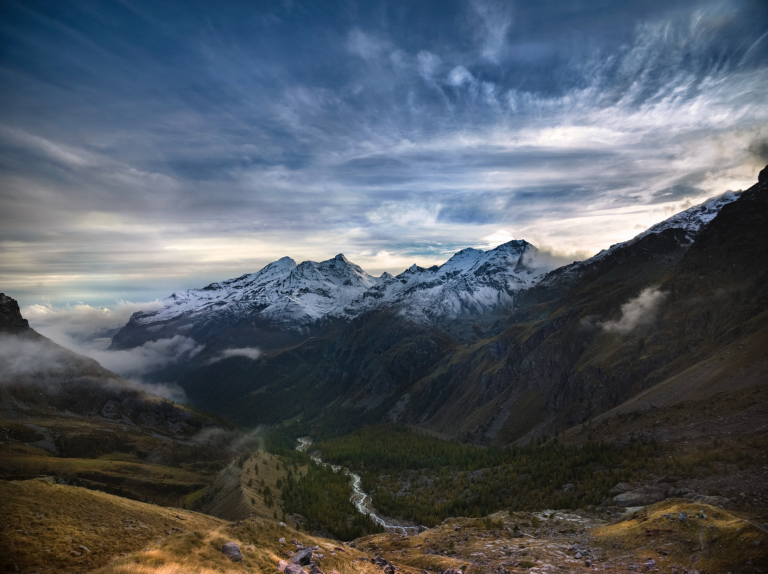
{"x": 471, "y": 281}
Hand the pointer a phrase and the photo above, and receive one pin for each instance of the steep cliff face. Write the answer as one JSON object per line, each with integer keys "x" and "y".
{"x": 11, "y": 320}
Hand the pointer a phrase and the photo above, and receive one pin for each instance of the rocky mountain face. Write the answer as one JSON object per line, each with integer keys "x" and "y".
{"x": 486, "y": 347}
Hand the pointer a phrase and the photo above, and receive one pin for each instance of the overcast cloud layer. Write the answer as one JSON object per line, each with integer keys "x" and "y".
{"x": 147, "y": 147}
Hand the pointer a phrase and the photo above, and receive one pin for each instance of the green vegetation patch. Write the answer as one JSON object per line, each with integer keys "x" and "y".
{"x": 426, "y": 480}
{"x": 323, "y": 497}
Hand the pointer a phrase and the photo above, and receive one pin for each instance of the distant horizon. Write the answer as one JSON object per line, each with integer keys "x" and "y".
{"x": 562, "y": 259}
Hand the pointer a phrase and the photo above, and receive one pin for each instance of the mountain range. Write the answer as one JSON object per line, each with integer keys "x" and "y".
{"x": 492, "y": 346}
{"x": 286, "y": 296}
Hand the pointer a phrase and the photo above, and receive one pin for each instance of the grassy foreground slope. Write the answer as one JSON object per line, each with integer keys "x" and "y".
{"x": 50, "y": 529}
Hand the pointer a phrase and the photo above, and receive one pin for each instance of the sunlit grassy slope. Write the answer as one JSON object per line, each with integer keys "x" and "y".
{"x": 240, "y": 491}
{"x": 51, "y": 528}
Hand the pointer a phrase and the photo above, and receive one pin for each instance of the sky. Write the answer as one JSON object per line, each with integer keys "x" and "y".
{"x": 149, "y": 147}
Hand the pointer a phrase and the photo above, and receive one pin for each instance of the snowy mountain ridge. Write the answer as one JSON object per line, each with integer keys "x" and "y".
{"x": 471, "y": 282}
{"x": 691, "y": 220}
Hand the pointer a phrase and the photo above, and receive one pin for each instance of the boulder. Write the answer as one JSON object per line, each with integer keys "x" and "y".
{"x": 620, "y": 488}
{"x": 302, "y": 557}
{"x": 384, "y": 564}
{"x": 642, "y": 496}
{"x": 293, "y": 569}
{"x": 232, "y": 551}
{"x": 282, "y": 565}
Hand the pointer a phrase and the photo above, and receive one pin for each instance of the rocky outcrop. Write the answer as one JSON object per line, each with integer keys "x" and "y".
{"x": 11, "y": 320}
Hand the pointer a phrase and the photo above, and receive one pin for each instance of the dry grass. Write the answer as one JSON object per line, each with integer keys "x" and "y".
{"x": 43, "y": 524}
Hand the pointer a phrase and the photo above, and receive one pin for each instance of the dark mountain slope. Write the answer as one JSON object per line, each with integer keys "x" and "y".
{"x": 39, "y": 377}
{"x": 357, "y": 371}
{"x": 64, "y": 415}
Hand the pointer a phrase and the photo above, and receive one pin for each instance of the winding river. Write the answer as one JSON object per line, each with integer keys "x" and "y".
{"x": 359, "y": 497}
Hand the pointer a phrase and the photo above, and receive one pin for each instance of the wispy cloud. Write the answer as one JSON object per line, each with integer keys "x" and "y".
{"x": 495, "y": 19}
{"x": 637, "y": 312}
{"x": 251, "y": 353}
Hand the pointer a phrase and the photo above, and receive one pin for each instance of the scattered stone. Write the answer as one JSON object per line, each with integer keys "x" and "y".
{"x": 315, "y": 570}
{"x": 587, "y": 563}
{"x": 302, "y": 557}
{"x": 281, "y": 524}
{"x": 281, "y": 540}
{"x": 232, "y": 551}
{"x": 76, "y": 553}
{"x": 293, "y": 569}
{"x": 282, "y": 565}
{"x": 84, "y": 549}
